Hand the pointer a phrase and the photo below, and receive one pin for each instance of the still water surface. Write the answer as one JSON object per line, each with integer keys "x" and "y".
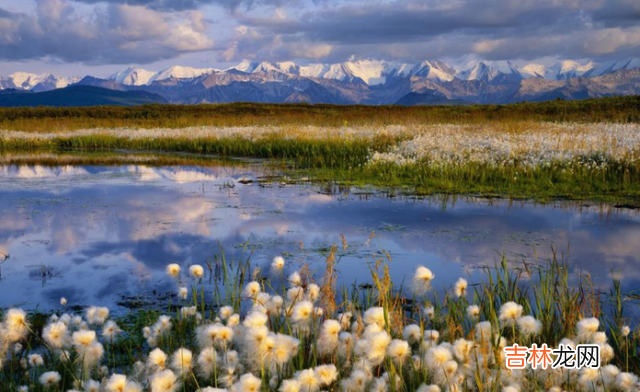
{"x": 97, "y": 234}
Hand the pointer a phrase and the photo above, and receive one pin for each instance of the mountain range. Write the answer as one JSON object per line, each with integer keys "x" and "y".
{"x": 373, "y": 82}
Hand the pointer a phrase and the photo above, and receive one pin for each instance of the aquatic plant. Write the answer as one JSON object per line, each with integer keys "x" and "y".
{"x": 279, "y": 331}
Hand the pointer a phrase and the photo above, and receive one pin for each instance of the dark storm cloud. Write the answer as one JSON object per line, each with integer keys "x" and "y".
{"x": 115, "y": 34}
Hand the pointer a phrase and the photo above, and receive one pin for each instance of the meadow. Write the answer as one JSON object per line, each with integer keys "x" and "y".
{"x": 562, "y": 149}
{"x": 231, "y": 326}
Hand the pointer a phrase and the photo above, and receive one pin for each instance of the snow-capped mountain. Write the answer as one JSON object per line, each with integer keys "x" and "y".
{"x": 33, "y": 82}
{"x": 134, "y": 76}
{"x": 366, "y": 81}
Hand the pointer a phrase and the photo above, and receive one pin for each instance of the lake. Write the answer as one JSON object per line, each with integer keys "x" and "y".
{"x": 104, "y": 234}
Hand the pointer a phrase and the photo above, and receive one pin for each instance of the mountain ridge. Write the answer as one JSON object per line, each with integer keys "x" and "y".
{"x": 371, "y": 82}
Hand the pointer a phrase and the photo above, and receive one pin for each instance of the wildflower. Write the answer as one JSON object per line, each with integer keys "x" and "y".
{"x": 207, "y": 362}
{"x": 528, "y": 325}
{"x": 165, "y": 381}
{"x": 437, "y": 356}
{"x": 97, "y": 315}
{"x": 308, "y": 380}
{"x": 50, "y": 379}
{"x": 411, "y": 333}
{"x": 56, "y": 335}
{"x": 277, "y": 264}
{"x": 626, "y": 381}
{"x": 16, "y": 325}
{"x": 290, "y": 386}
{"x": 428, "y": 388}
{"x": 83, "y": 338}
{"x": 196, "y": 271}
{"x": 374, "y": 316}
{"x": 510, "y": 312}
{"x": 63, "y": 301}
{"x": 625, "y": 330}
{"x": 295, "y": 279}
{"x": 313, "y": 292}
{"x": 173, "y": 270}
{"x": 252, "y": 289}
{"x": 157, "y": 359}
{"x": 586, "y": 328}
{"x": 182, "y": 361}
{"x": 183, "y": 293}
{"x": 226, "y": 312}
{"x": 473, "y": 311}
{"x": 422, "y": 280}
{"x": 398, "y": 350}
{"x": 429, "y": 311}
{"x": 377, "y": 345}
{"x": 248, "y": 383}
{"x": 111, "y": 330}
{"x": 326, "y": 374}
{"x": 116, "y": 383}
{"x": 460, "y": 288}
{"x": 328, "y": 339}
{"x": 35, "y": 360}
{"x": 91, "y": 386}
{"x": 301, "y": 312}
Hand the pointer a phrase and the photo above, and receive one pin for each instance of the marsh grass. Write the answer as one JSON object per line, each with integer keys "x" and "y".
{"x": 543, "y": 289}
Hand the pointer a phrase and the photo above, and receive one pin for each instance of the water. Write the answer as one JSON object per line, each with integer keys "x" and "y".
{"x": 104, "y": 234}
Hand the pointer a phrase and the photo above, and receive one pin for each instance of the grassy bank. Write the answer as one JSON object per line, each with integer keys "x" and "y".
{"x": 236, "y": 328}
{"x": 522, "y": 160}
{"x": 617, "y": 109}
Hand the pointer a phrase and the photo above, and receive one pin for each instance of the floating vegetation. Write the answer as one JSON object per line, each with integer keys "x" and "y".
{"x": 280, "y": 329}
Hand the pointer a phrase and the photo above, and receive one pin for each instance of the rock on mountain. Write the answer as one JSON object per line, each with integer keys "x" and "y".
{"x": 371, "y": 82}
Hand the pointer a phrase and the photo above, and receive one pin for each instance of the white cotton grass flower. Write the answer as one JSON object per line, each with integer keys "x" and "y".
{"x": 63, "y": 301}
{"x": 374, "y": 315}
{"x": 183, "y": 293}
{"x": 165, "y": 381}
{"x": 173, "y": 270}
{"x": 35, "y": 360}
{"x": 510, "y": 312}
{"x": 437, "y": 356}
{"x": 182, "y": 361}
{"x": 412, "y": 333}
{"x": 326, "y": 374}
{"x": 247, "y": 383}
{"x": 626, "y": 381}
{"x": 473, "y": 312}
{"x": 302, "y": 312}
{"x": 529, "y": 326}
{"x": 429, "y": 311}
{"x": 625, "y": 331}
{"x": 295, "y": 279}
{"x": 428, "y": 388}
{"x": 277, "y": 265}
{"x": 422, "y": 280}
{"x": 460, "y": 288}
{"x": 83, "y": 338}
{"x": 289, "y": 386}
{"x": 116, "y": 383}
{"x": 97, "y": 315}
{"x": 252, "y": 289}
{"x": 56, "y": 335}
{"x": 50, "y": 379}
{"x": 398, "y": 350}
{"x": 16, "y": 326}
{"x": 226, "y": 312}
{"x": 308, "y": 380}
{"x": 586, "y": 328}
{"x": 110, "y": 331}
{"x": 196, "y": 271}
{"x": 157, "y": 359}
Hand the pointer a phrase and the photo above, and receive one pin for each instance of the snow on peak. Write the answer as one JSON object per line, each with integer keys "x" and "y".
{"x": 179, "y": 72}
{"x": 133, "y": 76}
{"x": 434, "y": 70}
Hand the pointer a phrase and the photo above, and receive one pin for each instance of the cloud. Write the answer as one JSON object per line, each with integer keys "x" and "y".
{"x": 413, "y": 30}
{"x": 181, "y": 5}
{"x": 114, "y": 34}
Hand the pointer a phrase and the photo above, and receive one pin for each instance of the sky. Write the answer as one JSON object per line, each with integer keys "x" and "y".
{"x": 100, "y": 37}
